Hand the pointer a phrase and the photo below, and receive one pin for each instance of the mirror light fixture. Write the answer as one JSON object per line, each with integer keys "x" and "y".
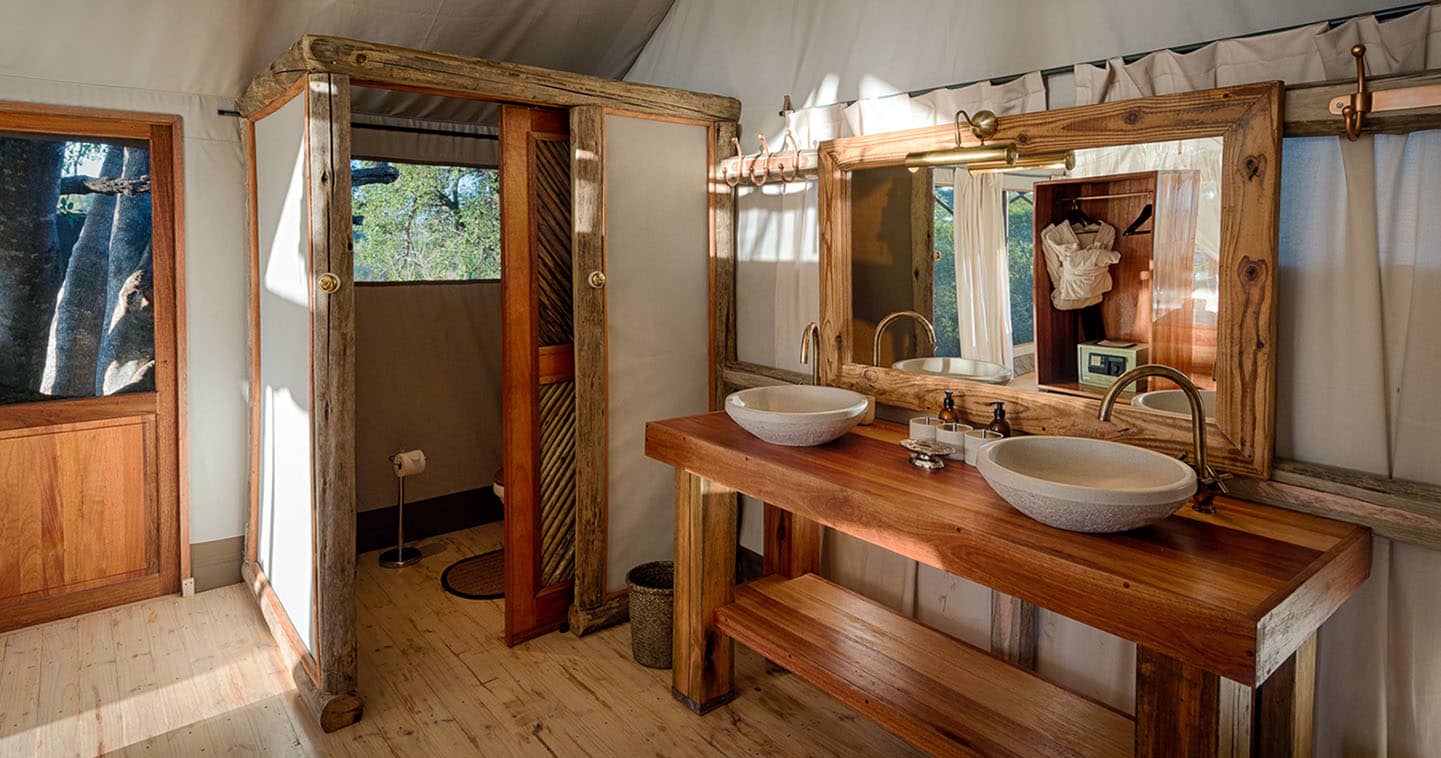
{"x": 983, "y": 157}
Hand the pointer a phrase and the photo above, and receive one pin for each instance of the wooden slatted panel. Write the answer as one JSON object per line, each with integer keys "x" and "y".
{"x": 553, "y": 251}
{"x": 557, "y": 482}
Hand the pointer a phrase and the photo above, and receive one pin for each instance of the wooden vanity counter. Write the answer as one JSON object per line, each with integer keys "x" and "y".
{"x": 1233, "y": 594}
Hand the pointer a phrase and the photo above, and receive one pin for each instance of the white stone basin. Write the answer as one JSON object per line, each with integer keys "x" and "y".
{"x": 1174, "y": 402}
{"x": 957, "y": 368}
{"x": 1085, "y": 485}
{"x": 798, "y": 415}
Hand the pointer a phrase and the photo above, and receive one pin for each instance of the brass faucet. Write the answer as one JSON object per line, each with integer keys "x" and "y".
{"x": 1211, "y": 481}
{"x": 885, "y": 322}
{"x": 811, "y": 350}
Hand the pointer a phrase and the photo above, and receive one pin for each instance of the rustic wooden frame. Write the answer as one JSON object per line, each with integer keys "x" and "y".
{"x": 351, "y": 62}
{"x": 371, "y": 64}
{"x": 163, "y": 410}
{"x": 1249, "y": 119}
{"x": 594, "y": 608}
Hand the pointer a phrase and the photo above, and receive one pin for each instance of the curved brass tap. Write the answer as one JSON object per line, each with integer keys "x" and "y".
{"x": 811, "y": 350}
{"x": 1207, "y": 476}
{"x": 885, "y": 322}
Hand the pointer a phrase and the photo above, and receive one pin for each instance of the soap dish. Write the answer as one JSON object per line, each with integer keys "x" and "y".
{"x": 927, "y": 454}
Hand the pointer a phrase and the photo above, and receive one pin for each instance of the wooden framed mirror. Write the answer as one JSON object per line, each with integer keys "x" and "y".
{"x": 1193, "y": 283}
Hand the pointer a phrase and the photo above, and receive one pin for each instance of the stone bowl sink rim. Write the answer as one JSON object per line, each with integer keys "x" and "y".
{"x": 1000, "y": 376}
{"x": 841, "y": 409}
{"x": 1178, "y": 489}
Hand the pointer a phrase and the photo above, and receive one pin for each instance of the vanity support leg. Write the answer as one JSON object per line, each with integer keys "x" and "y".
{"x": 792, "y": 544}
{"x": 705, "y": 539}
{"x": 1013, "y": 630}
{"x": 1184, "y": 711}
{"x": 1177, "y": 705}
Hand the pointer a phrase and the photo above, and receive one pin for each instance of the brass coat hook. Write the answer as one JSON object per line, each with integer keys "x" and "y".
{"x": 1360, "y": 104}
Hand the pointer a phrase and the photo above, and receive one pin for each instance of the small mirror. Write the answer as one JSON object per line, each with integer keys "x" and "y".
{"x": 1043, "y": 280}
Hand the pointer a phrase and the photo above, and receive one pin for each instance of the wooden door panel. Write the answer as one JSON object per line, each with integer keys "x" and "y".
{"x": 78, "y": 511}
{"x": 538, "y": 370}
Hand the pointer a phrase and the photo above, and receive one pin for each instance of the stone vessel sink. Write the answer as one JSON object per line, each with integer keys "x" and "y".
{"x": 1174, "y": 402}
{"x": 1085, "y": 485}
{"x": 798, "y": 415}
{"x": 957, "y": 368}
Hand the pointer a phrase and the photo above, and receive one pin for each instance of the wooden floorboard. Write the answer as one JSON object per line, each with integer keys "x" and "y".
{"x": 200, "y": 676}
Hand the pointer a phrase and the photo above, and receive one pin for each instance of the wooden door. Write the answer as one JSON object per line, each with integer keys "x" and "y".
{"x": 538, "y": 370}
{"x": 90, "y": 468}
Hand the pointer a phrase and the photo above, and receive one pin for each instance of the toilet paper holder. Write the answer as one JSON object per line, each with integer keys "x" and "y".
{"x": 404, "y": 464}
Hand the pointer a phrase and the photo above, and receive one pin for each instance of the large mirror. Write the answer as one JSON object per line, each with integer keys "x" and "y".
{"x": 1044, "y": 279}
{"x": 1116, "y": 235}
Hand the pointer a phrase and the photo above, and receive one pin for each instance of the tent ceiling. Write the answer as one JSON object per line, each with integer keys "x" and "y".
{"x": 214, "y": 47}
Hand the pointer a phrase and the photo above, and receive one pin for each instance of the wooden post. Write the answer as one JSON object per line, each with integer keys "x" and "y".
{"x": 1013, "y": 630}
{"x": 333, "y": 407}
{"x": 705, "y": 538}
{"x": 1182, "y": 710}
{"x": 792, "y": 544}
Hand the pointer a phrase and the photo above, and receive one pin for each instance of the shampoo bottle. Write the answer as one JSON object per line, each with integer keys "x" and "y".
{"x": 999, "y": 424}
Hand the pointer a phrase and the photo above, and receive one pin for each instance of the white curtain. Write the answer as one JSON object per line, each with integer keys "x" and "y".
{"x": 1359, "y": 370}
{"x": 983, "y": 274}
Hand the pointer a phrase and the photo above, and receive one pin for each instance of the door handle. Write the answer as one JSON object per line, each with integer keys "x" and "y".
{"x": 329, "y": 283}
{"x": 596, "y": 279}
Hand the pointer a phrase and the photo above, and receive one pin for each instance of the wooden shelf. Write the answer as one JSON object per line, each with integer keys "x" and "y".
{"x": 943, "y": 695}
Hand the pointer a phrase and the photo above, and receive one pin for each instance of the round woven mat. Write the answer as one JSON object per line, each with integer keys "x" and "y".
{"x": 479, "y": 577}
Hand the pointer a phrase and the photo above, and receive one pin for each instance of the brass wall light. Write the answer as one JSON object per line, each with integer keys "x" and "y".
{"x": 983, "y": 157}
{"x": 1062, "y": 161}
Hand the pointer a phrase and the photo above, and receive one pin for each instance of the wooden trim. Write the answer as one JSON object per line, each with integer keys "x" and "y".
{"x": 740, "y": 375}
{"x": 21, "y": 416}
{"x": 180, "y": 343}
{"x": 556, "y": 363}
{"x": 1307, "y": 104}
{"x": 293, "y": 648}
{"x": 332, "y": 375}
{"x": 592, "y": 397}
{"x": 722, "y": 290}
{"x": 1248, "y": 118}
{"x": 392, "y": 67}
{"x": 614, "y": 609}
{"x": 252, "y": 528}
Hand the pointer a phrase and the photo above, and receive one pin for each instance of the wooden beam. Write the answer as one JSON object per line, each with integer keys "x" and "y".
{"x": 1307, "y": 111}
{"x": 1177, "y": 705}
{"x": 1393, "y": 508}
{"x": 592, "y": 421}
{"x": 740, "y": 375}
{"x": 723, "y": 269}
{"x": 393, "y": 67}
{"x": 327, "y": 143}
{"x": 705, "y": 539}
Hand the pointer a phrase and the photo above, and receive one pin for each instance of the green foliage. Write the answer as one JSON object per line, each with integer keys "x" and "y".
{"x": 431, "y": 223}
{"x": 948, "y": 338}
{"x": 1019, "y": 245}
{"x": 1020, "y": 250}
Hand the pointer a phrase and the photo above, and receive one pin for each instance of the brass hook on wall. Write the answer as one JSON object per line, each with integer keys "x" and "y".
{"x": 795, "y": 158}
{"x": 1360, "y": 104}
{"x": 763, "y": 156}
{"x": 740, "y": 165}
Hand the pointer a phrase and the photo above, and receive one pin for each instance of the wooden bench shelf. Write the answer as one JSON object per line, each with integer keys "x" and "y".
{"x": 943, "y": 695}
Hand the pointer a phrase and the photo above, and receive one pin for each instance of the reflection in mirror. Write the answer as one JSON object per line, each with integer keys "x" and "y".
{"x": 1057, "y": 281}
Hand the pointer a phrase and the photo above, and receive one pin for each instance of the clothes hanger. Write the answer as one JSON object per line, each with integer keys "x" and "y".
{"x": 1135, "y": 227}
{"x": 1077, "y": 217}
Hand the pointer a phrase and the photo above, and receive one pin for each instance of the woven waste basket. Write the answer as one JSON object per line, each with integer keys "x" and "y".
{"x": 652, "y": 590}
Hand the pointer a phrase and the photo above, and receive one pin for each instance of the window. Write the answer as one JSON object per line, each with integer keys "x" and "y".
{"x": 1020, "y": 251}
{"x": 420, "y": 222}
{"x": 76, "y": 277}
{"x": 1019, "y": 203}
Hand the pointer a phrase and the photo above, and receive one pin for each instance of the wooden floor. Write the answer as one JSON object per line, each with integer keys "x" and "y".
{"x": 201, "y": 677}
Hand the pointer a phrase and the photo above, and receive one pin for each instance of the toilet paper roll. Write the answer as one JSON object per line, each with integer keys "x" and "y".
{"x": 408, "y": 462}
